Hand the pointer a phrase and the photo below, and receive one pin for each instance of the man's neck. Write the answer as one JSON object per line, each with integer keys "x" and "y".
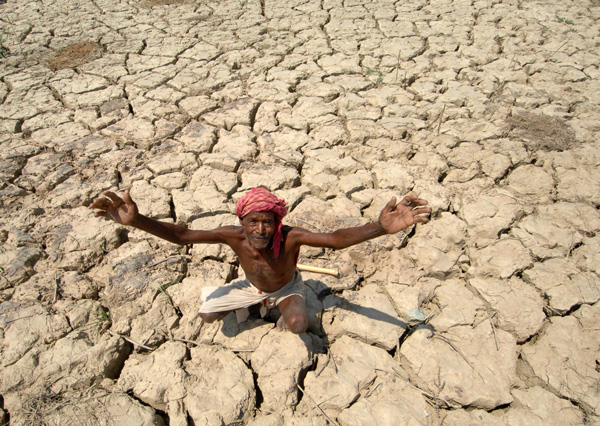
{"x": 267, "y": 252}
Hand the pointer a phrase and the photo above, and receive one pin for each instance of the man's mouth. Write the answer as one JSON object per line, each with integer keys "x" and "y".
{"x": 262, "y": 240}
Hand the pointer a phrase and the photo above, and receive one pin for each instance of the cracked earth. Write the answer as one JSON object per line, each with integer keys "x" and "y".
{"x": 487, "y": 315}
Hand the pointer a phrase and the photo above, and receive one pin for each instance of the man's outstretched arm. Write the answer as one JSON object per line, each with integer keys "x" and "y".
{"x": 392, "y": 219}
{"x": 125, "y": 212}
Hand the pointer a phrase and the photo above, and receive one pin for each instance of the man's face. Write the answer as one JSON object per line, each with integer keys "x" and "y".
{"x": 259, "y": 228}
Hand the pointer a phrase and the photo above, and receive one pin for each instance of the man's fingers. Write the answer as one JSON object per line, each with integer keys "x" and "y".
{"x": 413, "y": 201}
{"x": 391, "y": 204}
{"x": 409, "y": 200}
{"x": 114, "y": 197}
{"x": 127, "y": 197}
{"x": 99, "y": 203}
{"x": 100, "y": 214}
{"x": 421, "y": 219}
{"x": 422, "y": 210}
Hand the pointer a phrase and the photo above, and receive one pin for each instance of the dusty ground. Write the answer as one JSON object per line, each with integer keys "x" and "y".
{"x": 487, "y": 315}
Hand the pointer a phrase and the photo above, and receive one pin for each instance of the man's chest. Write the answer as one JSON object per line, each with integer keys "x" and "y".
{"x": 267, "y": 274}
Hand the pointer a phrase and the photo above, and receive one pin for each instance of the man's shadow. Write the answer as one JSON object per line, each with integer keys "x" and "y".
{"x": 372, "y": 313}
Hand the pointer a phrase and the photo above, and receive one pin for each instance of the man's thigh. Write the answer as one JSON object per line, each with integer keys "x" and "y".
{"x": 229, "y": 297}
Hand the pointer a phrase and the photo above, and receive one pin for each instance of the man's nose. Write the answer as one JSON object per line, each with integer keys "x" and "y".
{"x": 261, "y": 228}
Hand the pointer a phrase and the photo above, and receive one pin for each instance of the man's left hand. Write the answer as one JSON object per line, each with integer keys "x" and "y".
{"x": 396, "y": 217}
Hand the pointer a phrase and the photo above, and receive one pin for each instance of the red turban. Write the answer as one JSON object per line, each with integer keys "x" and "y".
{"x": 263, "y": 200}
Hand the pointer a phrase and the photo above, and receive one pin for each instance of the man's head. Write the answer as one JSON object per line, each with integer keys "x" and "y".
{"x": 259, "y": 228}
{"x": 260, "y": 212}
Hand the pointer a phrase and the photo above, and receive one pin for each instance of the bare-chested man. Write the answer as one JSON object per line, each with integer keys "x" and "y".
{"x": 267, "y": 250}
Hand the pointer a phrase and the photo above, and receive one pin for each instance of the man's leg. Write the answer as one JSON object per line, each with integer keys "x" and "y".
{"x": 218, "y": 302}
{"x": 293, "y": 314}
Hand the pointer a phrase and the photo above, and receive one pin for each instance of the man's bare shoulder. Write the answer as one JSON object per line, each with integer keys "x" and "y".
{"x": 294, "y": 231}
{"x": 303, "y": 237}
{"x": 223, "y": 234}
{"x": 297, "y": 235}
{"x": 230, "y": 231}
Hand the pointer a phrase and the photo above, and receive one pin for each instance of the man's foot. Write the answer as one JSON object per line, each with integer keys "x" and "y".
{"x": 214, "y": 316}
{"x": 281, "y": 324}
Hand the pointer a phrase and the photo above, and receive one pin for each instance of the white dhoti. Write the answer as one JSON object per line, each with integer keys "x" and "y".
{"x": 242, "y": 294}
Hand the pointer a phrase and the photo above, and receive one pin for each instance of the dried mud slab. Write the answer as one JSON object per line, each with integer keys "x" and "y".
{"x": 565, "y": 357}
{"x": 455, "y": 365}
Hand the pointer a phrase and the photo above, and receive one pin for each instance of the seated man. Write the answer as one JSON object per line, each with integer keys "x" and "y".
{"x": 267, "y": 250}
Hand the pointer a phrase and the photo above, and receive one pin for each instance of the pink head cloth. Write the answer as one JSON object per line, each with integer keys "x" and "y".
{"x": 263, "y": 200}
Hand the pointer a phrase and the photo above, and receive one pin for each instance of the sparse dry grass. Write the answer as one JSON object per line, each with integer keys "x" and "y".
{"x": 541, "y": 132}
{"x": 74, "y": 55}
{"x": 72, "y": 408}
{"x": 4, "y": 50}
{"x": 35, "y": 409}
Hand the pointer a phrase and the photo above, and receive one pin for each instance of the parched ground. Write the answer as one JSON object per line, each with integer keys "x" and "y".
{"x": 487, "y": 315}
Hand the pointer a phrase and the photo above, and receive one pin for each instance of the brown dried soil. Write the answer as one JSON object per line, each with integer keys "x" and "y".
{"x": 74, "y": 55}
{"x": 541, "y": 132}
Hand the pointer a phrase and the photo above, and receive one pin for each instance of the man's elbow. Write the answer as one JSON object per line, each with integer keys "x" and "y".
{"x": 182, "y": 238}
{"x": 338, "y": 245}
{"x": 174, "y": 239}
{"x": 181, "y": 241}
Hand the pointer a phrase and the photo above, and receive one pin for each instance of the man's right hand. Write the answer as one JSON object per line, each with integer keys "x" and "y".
{"x": 111, "y": 206}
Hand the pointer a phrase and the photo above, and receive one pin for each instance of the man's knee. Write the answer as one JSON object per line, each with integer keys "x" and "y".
{"x": 297, "y": 323}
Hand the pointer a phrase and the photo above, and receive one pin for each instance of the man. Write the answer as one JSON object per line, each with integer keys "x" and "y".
{"x": 267, "y": 250}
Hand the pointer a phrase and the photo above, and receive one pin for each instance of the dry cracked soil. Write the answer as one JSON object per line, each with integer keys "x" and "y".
{"x": 486, "y": 315}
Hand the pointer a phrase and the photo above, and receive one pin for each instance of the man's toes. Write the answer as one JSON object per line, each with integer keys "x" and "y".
{"x": 281, "y": 324}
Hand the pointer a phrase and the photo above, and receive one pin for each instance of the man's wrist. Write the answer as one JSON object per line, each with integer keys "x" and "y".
{"x": 138, "y": 221}
{"x": 380, "y": 229}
